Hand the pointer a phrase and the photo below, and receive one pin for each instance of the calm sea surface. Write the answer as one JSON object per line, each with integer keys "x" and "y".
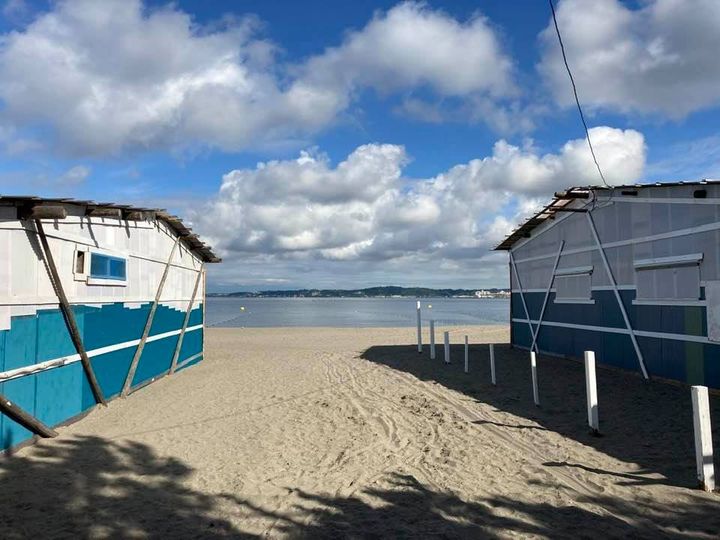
{"x": 352, "y": 312}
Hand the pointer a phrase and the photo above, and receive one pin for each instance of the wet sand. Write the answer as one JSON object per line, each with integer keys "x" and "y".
{"x": 328, "y": 433}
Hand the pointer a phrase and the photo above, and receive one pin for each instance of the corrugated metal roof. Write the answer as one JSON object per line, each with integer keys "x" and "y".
{"x": 192, "y": 241}
{"x": 563, "y": 198}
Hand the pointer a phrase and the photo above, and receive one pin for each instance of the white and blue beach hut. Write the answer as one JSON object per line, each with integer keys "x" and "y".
{"x": 96, "y": 300}
{"x": 630, "y": 272}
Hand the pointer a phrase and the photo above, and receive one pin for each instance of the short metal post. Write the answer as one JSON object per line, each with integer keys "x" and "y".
{"x": 591, "y": 391}
{"x": 432, "y": 339}
{"x": 447, "y": 347}
{"x": 492, "y": 364}
{"x": 533, "y": 368}
{"x": 703, "y": 437}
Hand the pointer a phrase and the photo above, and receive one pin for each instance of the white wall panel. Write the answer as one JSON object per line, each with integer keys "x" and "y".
{"x": 25, "y": 285}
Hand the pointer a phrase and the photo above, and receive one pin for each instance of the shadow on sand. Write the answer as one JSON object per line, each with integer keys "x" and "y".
{"x": 89, "y": 487}
{"x": 645, "y": 423}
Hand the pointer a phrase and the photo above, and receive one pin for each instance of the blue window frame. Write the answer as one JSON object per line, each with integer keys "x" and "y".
{"x": 107, "y": 267}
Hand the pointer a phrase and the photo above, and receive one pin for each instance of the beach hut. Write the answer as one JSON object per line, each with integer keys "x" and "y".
{"x": 96, "y": 301}
{"x": 630, "y": 272}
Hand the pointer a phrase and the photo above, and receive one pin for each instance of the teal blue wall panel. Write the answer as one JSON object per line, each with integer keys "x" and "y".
{"x": 22, "y": 393}
{"x": 191, "y": 363}
{"x": 196, "y": 316}
{"x": 20, "y": 342}
{"x": 53, "y": 338}
{"x": 114, "y": 323}
{"x": 87, "y": 398}
{"x": 111, "y": 369}
{"x": 192, "y": 344}
{"x": 58, "y": 394}
{"x": 156, "y": 359}
{"x": 166, "y": 320}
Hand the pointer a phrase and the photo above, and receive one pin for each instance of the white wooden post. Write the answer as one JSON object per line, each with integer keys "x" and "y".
{"x": 591, "y": 391}
{"x": 466, "y": 355}
{"x": 533, "y": 368}
{"x": 492, "y": 364}
{"x": 447, "y": 347}
{"x": 432, "y": 339}
{"x": 419, "y": 328}
{"x": 703, "y": 437}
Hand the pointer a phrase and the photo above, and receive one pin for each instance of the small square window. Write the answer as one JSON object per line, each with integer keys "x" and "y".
{"x": 668, "y": 278}
{"x": 574, "y": 285}
{"x": 107, "y": 267}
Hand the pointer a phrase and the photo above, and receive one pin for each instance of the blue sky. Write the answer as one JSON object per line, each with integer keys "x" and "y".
{"x": 398, "y": 141}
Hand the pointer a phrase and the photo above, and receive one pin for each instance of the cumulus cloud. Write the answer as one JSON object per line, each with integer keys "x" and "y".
{"x": 660, "y": 57}
{"x": 364, "y": 210}
{"x": 100, "y": 77}
{"x": 412, "y": 45}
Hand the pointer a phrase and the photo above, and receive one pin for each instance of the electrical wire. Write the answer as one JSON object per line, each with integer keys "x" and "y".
{"x": 577, "y": 99}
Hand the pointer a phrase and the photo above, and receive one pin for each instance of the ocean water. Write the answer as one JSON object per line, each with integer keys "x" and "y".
{"x": 352, "y": 312}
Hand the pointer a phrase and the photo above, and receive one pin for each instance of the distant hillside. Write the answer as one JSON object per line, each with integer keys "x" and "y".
{"x": 369, "y": 292}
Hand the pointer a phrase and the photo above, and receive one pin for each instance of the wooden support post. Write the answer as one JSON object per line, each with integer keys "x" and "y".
{"x": 24, "y": 419}
{"x": 447, "y": 347}
{"x": 492, "y": 364}
{"x": 419, "y": 328}
{"x": 613, "y": 283}
{"x": 533, "y": 369}
{"x": 466, "y": 355}
{"x": 536, "y": 333}
{"x": 181, "y": 337}
{"x": 522, "y": 295}
{"x": 591, "y": 391}
{"x": 148, "y": 324}
{"x": 432, "y": 339}
{"x": 68, "y": 315}
{"x": 703, "y": 437}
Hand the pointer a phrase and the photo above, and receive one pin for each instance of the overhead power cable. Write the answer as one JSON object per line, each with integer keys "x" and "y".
{"x": 577, "y": 99}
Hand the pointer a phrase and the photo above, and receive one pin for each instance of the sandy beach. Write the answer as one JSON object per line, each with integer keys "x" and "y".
{"x": 329, "y": 433}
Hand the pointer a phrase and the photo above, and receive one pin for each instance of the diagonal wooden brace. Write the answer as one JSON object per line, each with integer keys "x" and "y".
{"x": 178, "y": 347}
{"x": 68, "y": 315}
{"x": 621, "y": 306}
{"x": 547, "y": 295}
{"x": 24, "y": 419}
{"x": 148, "y": 323}
{"x": 522, "y": 294}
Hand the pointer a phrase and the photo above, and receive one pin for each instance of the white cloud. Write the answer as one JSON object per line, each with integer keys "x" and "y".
{"x": 658, "y": 58}
{"x": 412, "y": 45}
{"x": 103, "y": 76}
{"x": 74, "y": 176}
{"x": 306, "y": 211}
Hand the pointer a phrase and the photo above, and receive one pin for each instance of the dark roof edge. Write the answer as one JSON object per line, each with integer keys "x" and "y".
{"x": 124, "y": 212}
{"x": 564, "y": 198}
